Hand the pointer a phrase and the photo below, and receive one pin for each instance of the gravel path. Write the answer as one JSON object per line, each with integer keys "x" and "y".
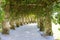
{"x": 26, "y": 32}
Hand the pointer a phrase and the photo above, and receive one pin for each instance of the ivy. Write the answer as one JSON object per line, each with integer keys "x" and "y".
{"x": 1, "y": 15}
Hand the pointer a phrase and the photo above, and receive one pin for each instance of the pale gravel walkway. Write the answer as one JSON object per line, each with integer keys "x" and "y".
{"x": 26, "y": 32}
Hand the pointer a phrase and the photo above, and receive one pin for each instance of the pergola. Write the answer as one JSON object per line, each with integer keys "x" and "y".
{"x": 40, "y": 8}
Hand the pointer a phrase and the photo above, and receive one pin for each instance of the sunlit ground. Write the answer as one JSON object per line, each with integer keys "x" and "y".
{"x": 56, "y": 32}
{"x": 30, "y": 30}
{"x": 55, "y": 29}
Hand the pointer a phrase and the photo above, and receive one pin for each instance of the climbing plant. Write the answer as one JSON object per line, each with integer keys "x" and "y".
{"x": 56, "y": 9}
{"x": 2, "y": 13}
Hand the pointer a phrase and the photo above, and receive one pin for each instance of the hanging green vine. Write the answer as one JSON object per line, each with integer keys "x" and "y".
{"x": 2, "y": 13}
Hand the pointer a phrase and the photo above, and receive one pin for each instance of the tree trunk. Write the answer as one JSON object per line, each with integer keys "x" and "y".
{"x": 21, "y": 21}
{"x": 5, "y": 23}
{"x": 41, "y": 24}
{"x": 38, "y": 24}
{"x": 17, "y": 23}
{"x": 12, "y": 24}
{"x": 5, "y": 27}
{"x": 48, "y": 25}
